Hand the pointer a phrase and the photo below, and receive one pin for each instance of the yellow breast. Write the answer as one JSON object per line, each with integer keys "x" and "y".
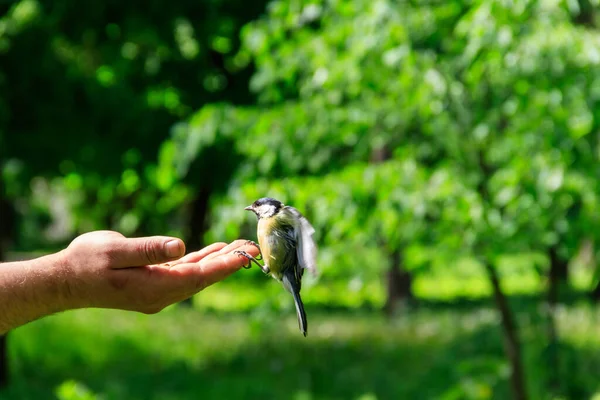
{"x": 265, "y": 228}
{"x": 273, "y": 244}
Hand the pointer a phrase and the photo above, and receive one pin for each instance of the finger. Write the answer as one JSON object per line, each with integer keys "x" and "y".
{"x": 214, "y": 250}
{"x": 200, "y": 254}
{"x": 214, "y": 269}
{"x": 235, "y": 245}
{"x": 137, "y": 252}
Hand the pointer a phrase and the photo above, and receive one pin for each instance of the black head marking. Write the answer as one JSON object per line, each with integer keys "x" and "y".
{"x": 265, "y": 207}
{"x": 268, "y": 200}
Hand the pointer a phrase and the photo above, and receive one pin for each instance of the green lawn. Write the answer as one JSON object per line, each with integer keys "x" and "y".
{"x": 241, "y": 341}
{"x": 435, "y": 352}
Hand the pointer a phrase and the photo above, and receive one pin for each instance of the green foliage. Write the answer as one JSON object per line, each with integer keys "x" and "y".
{"x": 469, "y": 135}
{"x": 449, "y": 132}
{"x": 89, "y": 97}
{"x": 454, "y": 127}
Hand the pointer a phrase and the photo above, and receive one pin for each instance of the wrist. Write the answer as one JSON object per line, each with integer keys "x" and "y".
{"x": 62, "y": 282}
{"x": 32, "y": 289}
{"x": 54, "y": 282}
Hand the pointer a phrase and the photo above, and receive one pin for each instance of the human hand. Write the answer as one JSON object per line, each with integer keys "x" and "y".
{"x": 104, "y": 269}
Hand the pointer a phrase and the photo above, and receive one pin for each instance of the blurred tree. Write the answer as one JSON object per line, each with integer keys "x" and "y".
{"x": 417, "y": 133}
{"x": 486, "y": 109}
{"x": 88, "y": 96}
{"x": 86, "y": 67}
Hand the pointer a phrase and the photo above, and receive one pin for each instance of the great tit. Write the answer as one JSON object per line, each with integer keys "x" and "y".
{"x": 287, "y": 248}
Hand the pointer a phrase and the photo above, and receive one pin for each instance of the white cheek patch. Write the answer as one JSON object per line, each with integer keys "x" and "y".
{"x": 266, "y": 210}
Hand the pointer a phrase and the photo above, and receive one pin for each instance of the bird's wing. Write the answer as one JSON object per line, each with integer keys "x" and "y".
{"x": 306, "y": 248}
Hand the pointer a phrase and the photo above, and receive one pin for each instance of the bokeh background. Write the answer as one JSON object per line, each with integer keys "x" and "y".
{"x": 445, "y": 151}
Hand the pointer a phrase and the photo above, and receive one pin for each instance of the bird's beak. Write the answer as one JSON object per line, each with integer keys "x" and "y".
{"x": 249, "y": 208}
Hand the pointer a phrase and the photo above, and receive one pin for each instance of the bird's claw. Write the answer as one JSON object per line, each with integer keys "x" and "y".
{"x": 253, "y": 243}
{"x": 249, "y": 258}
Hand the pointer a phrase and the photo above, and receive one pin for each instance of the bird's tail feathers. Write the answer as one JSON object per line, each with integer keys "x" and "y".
{"x": 295, "y": 291}
{"x": 302, "y": 322}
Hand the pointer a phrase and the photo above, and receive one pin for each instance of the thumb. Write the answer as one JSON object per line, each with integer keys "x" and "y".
{"x": 136, "y": 252}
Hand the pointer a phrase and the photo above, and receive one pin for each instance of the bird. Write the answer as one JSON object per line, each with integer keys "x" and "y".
{"x": 286, "y": 246}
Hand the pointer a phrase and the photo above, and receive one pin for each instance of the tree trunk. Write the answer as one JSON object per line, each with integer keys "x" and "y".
{"x": 398, "y": 280}
{"x": 557, "y": 275}
{"x": 197, "y": 227}
{"x": 585, "y": 16}
{"x": 399, "y": 285}
{"x": 596, "y": 292}
{"x": 559, "y": 269}
{"x": 512, "y": 346}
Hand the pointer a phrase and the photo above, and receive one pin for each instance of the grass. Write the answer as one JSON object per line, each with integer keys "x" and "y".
{"x": 241, "y": 341}
{"x": 184, "y": 354}
{"x": 432, "y": 353}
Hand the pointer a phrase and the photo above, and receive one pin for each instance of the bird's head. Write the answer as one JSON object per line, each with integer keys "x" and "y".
{"x": 265, "y": 207}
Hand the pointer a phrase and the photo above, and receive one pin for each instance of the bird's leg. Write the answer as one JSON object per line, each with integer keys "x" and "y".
{"x": 251, "y": 260}
{"x": 260, "y": 256}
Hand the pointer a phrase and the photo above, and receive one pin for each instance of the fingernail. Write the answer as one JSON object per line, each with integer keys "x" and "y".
{"x": 173, "y": 248}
